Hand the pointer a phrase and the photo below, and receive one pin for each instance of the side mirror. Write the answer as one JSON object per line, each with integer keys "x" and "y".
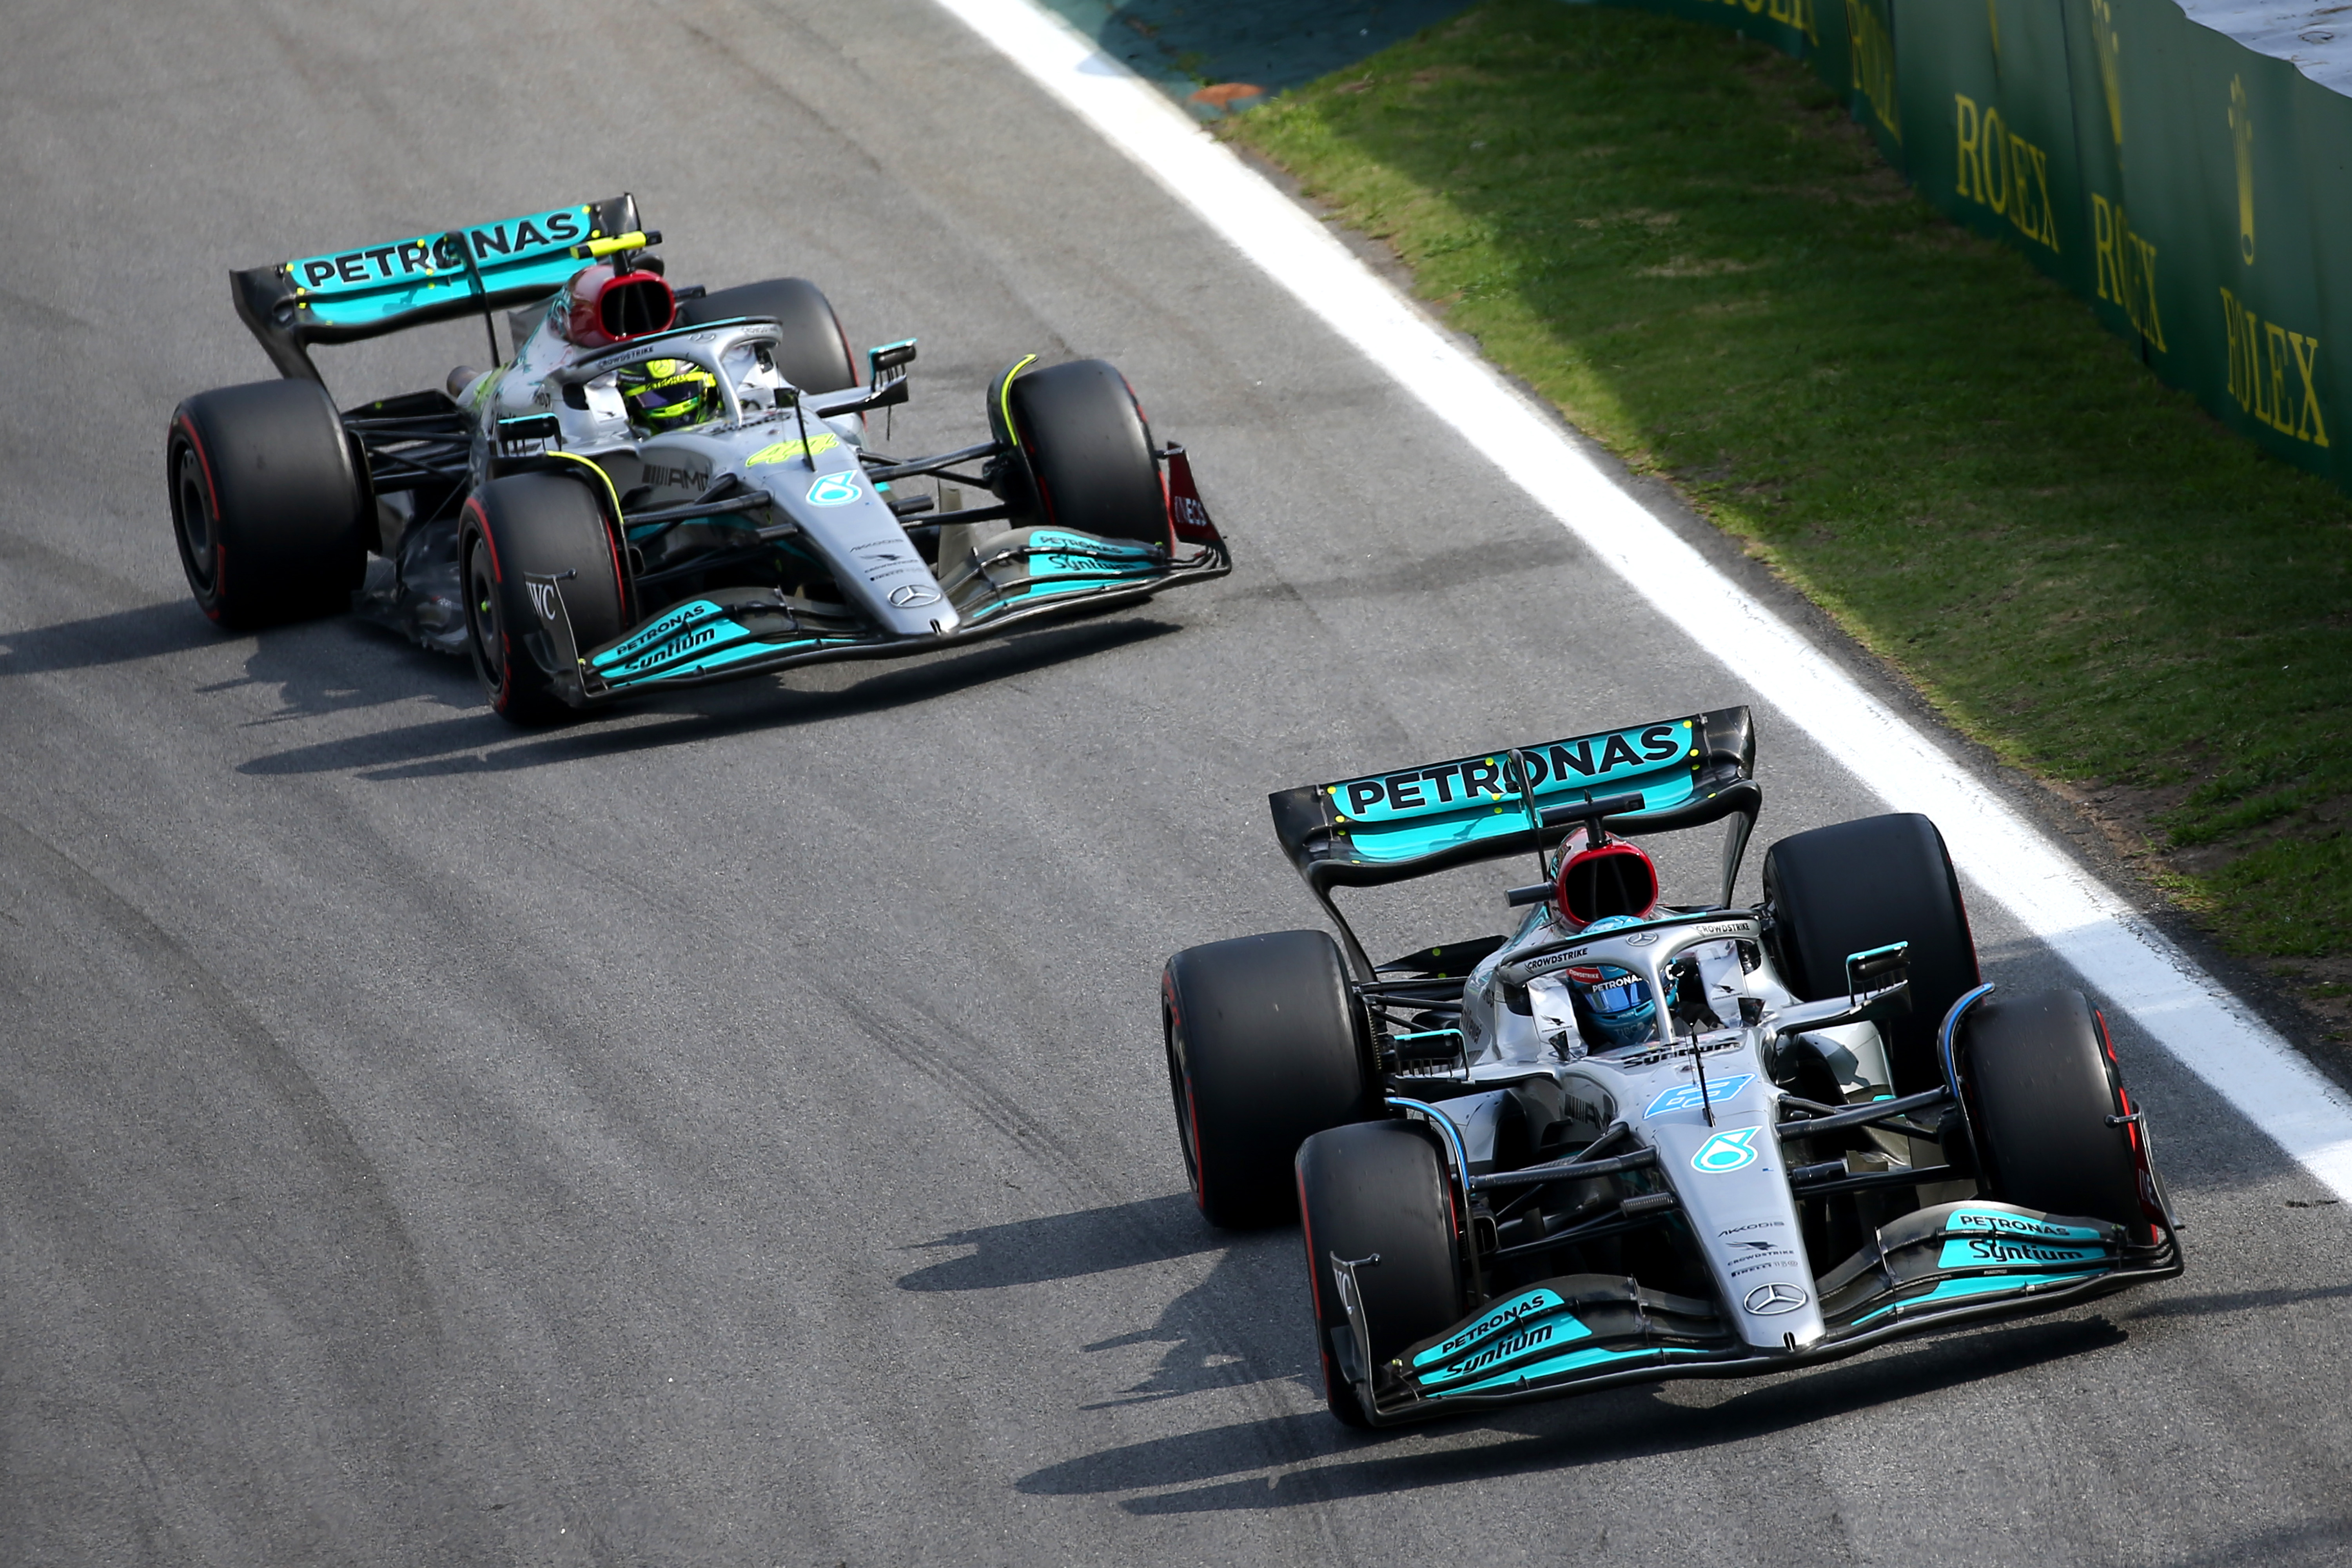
{"x": 880, "y": 361}
{"x": 1877, "y": 968}
{"x": 531, "y": 427}
{"x": 1878, "y": 981}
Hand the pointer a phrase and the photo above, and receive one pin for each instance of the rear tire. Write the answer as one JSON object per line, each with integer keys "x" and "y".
{"x": 815, "y": 354}
{"x": 2040, "y": 1088}
{"x": 267, "y": 503}
{"x": 1377, "y": 1188}
{"x": 545, "y": 525}
{"x": 1859, "y": 885}
{"x": 1085, "y": 450}
{"x": 1262, "y": 1053}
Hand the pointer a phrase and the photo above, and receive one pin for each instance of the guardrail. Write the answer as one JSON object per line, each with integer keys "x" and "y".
{"x": 2196, "y": 192}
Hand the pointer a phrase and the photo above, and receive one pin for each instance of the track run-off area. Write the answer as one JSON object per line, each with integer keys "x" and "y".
{"x": 735, "y": 1131}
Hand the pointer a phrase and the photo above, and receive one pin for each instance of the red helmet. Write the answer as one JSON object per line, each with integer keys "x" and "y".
{"x": 1613, "y": 878}
{"x": 609, "y": 307}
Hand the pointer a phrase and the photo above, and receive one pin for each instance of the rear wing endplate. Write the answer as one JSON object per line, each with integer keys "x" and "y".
{"x": 1390, "y": 828}
{"x": 373, "y": 290}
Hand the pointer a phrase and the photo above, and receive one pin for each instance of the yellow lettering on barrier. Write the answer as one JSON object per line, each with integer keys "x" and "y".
{"x": 1873, "y": 54}
{"x": 1993, "y": 152}
{"x": 2307, "y": 354}
{"x": 1797, "y": 14}
{"x": 2104, "y": 244}
{"x": 2110, "y": 46}
{"x": 2002, "y": 171}
{"x": 2150, "y": 324}
{"x": 2126, "y": 269}
{"x": 2241, "y": 141}
{"x": 2274, "y": 340}
{"x": 1963, "y": 111}
{"x": 2259, "y": 354}
{"x": 2047, "y": 231}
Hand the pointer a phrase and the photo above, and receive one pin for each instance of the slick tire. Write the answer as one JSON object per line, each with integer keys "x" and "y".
{"x": 268, "y": 502}
{"x": 815, "y": 354}
{"x": 1376, "y": 1189}
{"x": 1263, "y": 1051}
{"x": 515, "y": 528}
{"x": 1087, "y": 461}
{"x": 2039, "y": 1086}
{"x": 1859, "y": 885}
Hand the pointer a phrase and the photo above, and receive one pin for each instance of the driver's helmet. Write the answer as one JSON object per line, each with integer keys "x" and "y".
{"x": 1614, "y": 1006}
{"x": 668, "y": 395}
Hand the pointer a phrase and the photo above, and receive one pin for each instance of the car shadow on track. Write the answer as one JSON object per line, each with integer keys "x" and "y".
{"x": 2321, "y": 1541}
{"x": 479, "y": 742}
{"x": 1608, "y": 1426}
{"x": 1201, "y": 1352}
{"x": 119, "y": 636}
{"x": 2213, "y": 1302}
{"x": 1208, "y": 1332}
{"x": 1067, "y": 1245}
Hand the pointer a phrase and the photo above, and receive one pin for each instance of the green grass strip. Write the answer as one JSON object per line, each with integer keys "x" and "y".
{"x": 1680, "y": 240}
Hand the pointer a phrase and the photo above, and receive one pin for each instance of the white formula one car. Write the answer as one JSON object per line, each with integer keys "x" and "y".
{"x": 1628, "y": 1140}
{"x": 657, "y": 486}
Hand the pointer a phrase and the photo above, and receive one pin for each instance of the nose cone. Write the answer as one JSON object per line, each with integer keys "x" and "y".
{"x": 1734, "y": 1190}
{"x": 910, "y": 602}
{"x": 850, "y": 526}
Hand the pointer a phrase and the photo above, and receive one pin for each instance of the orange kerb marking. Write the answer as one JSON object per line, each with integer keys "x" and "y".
{"x": 1225, "y": 92}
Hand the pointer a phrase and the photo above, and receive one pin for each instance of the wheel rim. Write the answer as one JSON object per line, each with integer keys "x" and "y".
{"x": 1188, "y": 1118}
{"x": 193, "y": 517}
{"x": 482, "y": 616}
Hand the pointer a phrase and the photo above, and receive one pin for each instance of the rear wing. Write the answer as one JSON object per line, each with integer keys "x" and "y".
{"x": 1389, "y": 827}
{"x": 373, "y": 290}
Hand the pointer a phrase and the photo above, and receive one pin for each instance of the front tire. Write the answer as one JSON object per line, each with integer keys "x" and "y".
{"x": 1085, "y": 454}
{"x": 2040, "y": 1088}
{"x": 815, "y": 354}
{"x": 1858, "y": 885}
{"x": 1263, "y": 1051}
{"x": 268, "y": 502}
{"x": 1377, "y": 1189}
{"x": 521, "y": 526}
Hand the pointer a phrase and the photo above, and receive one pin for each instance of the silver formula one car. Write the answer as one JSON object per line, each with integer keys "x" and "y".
{"x": 660, "y": 486}
{"x": 1631, "y": 1140}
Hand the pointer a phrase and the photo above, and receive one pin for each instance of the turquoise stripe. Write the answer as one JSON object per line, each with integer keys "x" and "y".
{"x": 725, "y": 656}
{"x": 1980, "y": 1285}
{"x": 1558, "y": 1365}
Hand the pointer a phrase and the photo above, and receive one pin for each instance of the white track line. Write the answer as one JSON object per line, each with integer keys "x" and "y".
{"x": 2130, "y": 965}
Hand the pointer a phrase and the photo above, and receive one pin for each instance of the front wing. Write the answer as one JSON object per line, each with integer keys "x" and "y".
{"x": 1926, "y": 1271}
{"x": 747, "y": 631}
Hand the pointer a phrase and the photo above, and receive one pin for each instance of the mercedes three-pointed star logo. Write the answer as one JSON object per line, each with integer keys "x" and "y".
{"x": 1767, "y": 1300}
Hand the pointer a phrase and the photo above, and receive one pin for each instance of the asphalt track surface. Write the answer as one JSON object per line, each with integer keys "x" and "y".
{"x": 734, "y": 1131}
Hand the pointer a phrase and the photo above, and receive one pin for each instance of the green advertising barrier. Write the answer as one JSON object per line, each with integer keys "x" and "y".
{"x": 2196, "y": 192}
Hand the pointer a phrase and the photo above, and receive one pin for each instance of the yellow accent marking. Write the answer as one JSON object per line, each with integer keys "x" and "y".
{"x": 633, "y": 240}
{"x": 610, "y": 493}
{"x": 1004, "y": 392}
{"x": 786, "y": 451}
